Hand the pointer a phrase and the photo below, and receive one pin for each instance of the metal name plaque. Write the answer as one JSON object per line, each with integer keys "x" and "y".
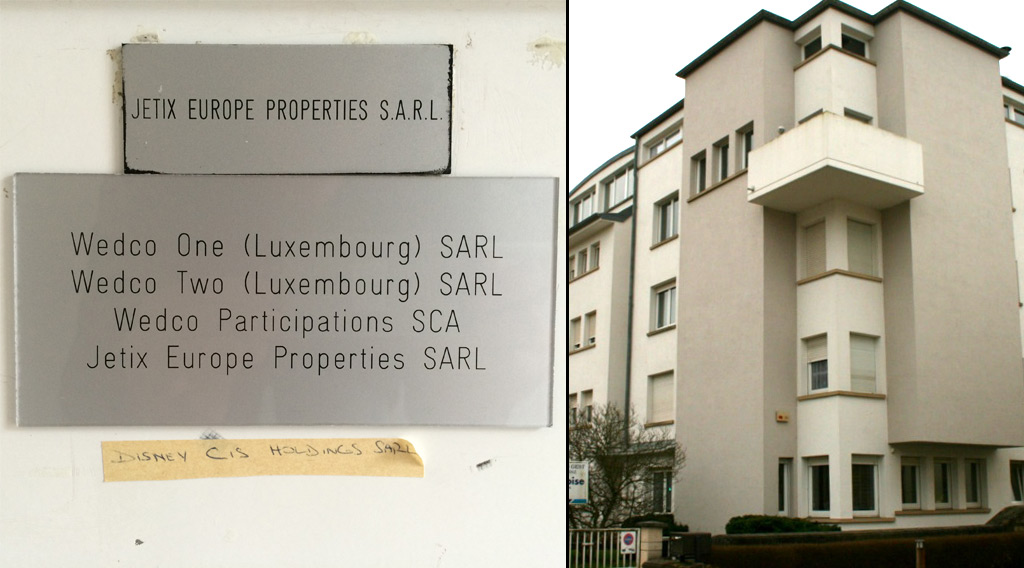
{"x": 212, "y": 300}
{"x": 287, "y": 109}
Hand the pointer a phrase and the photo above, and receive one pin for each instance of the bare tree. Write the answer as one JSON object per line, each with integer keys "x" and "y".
{"x": 622, "y": 455}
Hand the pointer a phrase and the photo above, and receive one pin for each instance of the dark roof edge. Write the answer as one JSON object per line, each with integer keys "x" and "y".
{"x": 898, "y": 5}
{"x": 616, "y": 217}
{"x": 607, "y": 163}
{"x": 659, "y": 119}
{"x": 1013, "y": 86}
{"x": 943, "y": 25}
{"x": 762, "y": 16}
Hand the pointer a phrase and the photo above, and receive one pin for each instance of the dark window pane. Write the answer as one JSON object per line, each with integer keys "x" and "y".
{"x": 813, "y": 47}
{"x": 863, "y": 487}
{"x": 854, "y": 45}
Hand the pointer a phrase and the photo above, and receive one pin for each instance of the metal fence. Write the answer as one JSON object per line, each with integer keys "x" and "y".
{"x": 604, "y": 548}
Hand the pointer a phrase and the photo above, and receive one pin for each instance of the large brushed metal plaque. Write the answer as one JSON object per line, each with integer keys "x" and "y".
{"x": 204, "y": 300}
{"x": 287, "y": 109}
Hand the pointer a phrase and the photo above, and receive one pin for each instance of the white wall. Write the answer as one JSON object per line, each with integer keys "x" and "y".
{"x": 57, "y": 114}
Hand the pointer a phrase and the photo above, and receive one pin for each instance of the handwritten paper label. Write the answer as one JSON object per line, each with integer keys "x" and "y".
{"x": 150, "y": 460}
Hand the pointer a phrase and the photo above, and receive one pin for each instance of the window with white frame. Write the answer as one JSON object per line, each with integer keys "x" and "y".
{"x": 910, "y": 482}
{"x": 864, "y": 484}
{"x": 661, "y": 398}
{"x": 819, "y": 486}
{"x": 816, "y": 349}
{"x": 860, "y": 245}
{"x": 583, "y": 206}
{"x": 595, "y": 256}
{"x": 944, "y": 470}
{"x": 721, "y": 159}
{"x": 1017, "y": 480}
{"x": 862, "y": 363}
{"x": 668, "y": 218}
{"x": 586, "y": 406}
{"x": 656, "y": 149}
{"x": 785, "y": 479}
{"x": 974, "y": 478}
{"x": 581, "y": 262}
{"x": 813, "y": 245}
{"x": 574, "y": 409}
{"x": 661, "y": 491}
{"x": 572, "y": 266}
{"x": 699, "y": 172}
{"x": 590, "y": 327}
{"x": 618, "y": 187}
{"x": 1014, "y": 113}
{"x": 745, "y": 139}
{"x": 575, "y": 333}
{"x": 664, "y": 305}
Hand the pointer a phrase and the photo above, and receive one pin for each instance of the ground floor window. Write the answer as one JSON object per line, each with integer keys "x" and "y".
{"x": 863, "y": 480}
{"x": 661, "y": 491}
{"x": 820, "y": 486}
{"x": 910, "y": 483}
{"x": 784, "y": 482}
{"x": 974, "y": 476}
{"x": 943, "y": 484}
{"x": 1017, "y": 480}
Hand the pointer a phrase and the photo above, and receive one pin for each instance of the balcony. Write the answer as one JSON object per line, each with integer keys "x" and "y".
{"x": 835, "y": 157}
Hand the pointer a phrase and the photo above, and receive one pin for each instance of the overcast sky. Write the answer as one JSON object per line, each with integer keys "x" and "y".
{"x": 625, "y": 55}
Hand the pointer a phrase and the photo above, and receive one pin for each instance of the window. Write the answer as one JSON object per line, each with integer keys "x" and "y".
{"x": 661, "y": 398}
{"x": 583, "y": 207}
{"x": 785, "y": 468}
{"x": 573, "y": 409}
{"x": 814, "y": 249}
{"x": 817, "y": 362}
{"x": 854, "y": 45}
{"x": 974, "y": 476}
{"x": 665, "y": 143}
{"x": 812, "y": 47}
{"x": 862, "y": 363}
{"x": 1014, "y": 113}
{"x": 586, "y": 405}
{"x": 575, "y": 331}
{"x": 863, "y": 477}
{"x": 722, "y": 159}
{"x": 860, "y": 245}
{"x": 595, "y": 255}
{"x": 618, "y": 187}
{"x": 668, "y": 218}
{"x": 591, "y": 328}
{"x": 665, "y": 305}
{"x": 661, "y": 491}
{"x": 746, "y": 142}
{"x": 581, "y": 262}
{"x": 943, "y": 484}
{"x": 698, "y": 171}
{"x": 572, "y": 266}
{"x": 910, "y": 482}
{"x": 819, "y": 486}
{"x": 1017, "y": 480}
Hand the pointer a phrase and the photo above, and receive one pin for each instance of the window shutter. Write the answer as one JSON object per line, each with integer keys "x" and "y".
{"x": 817, "y": 348}
{"x": 860, "y": 241}
{"x": 814, "y": 249}
{"x": 862, "y": 363}
{"x": 661, "y": 398}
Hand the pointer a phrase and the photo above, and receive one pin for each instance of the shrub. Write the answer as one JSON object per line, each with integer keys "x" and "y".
{"x": 759, "y": 524}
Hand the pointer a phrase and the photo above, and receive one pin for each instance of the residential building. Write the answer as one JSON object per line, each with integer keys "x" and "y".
{"x": 835, "y": 228}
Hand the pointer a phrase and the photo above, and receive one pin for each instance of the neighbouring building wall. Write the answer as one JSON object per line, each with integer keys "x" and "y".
{"x": 966, "y": 361}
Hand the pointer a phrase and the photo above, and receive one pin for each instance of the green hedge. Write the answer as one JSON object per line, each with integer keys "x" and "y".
{"x": 760, "y": 524}
{"x": 1004, "y": 550}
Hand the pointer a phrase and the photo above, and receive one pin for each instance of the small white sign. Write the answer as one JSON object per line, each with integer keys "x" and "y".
{"x": 578, "y": 484}
{"x": 627, "y": 542}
